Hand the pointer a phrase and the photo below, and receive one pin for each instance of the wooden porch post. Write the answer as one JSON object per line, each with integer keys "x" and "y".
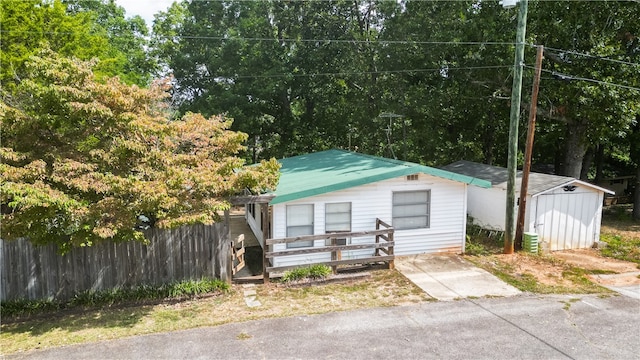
{"x": 264, "y": 209}
{"x": 392, "y": 264}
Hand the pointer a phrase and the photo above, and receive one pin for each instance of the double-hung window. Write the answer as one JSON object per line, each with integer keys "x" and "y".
{"x": 338, "y": 219}
{"x": 299, "y": 223}
{"x": 411, "y": 209}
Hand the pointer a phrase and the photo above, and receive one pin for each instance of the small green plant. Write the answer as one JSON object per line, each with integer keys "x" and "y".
{"x": 188, "y": 288}
{"x": 481, "y": 241}
{"x": 476, "y": 249}
{"x": 318, "y": 271}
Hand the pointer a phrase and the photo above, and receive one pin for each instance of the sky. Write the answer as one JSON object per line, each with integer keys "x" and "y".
{"x": 145, "y": 8}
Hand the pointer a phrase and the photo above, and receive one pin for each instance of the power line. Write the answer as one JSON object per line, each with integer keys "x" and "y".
{"x": 368, "y": 72}
{"x": 591, "y": 56}
{"x": 578, "y": 78}
{"x": 347, "y": 41}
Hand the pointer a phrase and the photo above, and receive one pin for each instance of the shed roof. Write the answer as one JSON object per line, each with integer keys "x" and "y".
{"x": 538, "y": 182}
{"x": 332, "y": 170}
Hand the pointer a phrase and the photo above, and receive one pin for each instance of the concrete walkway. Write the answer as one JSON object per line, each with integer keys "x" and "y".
{"x": 631, "y": 289}
{"x": 450, "y": 277}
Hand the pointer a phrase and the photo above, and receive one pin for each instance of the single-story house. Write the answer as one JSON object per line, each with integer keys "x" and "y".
{"x": 342, "y": 191}
{"x": 563, "y": 211}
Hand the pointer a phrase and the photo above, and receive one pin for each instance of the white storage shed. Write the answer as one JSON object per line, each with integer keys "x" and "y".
{"x": 563, "y": 211}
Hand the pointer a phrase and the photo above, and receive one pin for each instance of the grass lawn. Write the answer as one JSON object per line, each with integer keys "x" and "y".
{"x": 78, "y": 325}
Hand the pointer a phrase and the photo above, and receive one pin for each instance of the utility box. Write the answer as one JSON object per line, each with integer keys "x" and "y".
{"x": 530, "y": 242}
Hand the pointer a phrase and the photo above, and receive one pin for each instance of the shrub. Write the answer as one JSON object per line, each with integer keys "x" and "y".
{"x": 187, "y": 288}
{"x": 318, "y": 271}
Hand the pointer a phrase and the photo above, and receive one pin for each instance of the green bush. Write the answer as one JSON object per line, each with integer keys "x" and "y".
{"x": 311, "y": 272}
{"x": 187, "y": 288}
{"x": 474, "y": 248}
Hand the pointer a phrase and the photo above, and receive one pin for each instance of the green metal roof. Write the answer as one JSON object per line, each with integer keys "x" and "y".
{"x": 332, "y": 170}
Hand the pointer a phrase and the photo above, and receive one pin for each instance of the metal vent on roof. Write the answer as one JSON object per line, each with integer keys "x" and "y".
{"x": 412, "y": 177}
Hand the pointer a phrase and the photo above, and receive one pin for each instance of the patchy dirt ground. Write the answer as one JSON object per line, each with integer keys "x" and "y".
{"x": 623, "y": 272}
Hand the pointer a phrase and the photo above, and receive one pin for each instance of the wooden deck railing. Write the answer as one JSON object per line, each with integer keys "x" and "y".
{"x": 383, "y": 244}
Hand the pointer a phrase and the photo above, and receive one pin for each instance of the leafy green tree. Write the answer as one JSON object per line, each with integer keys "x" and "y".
{"x": 83, "y": 29}
{"x": 587, "y": 114}
{"x": 27, "y": 25}
{"x": 128, "y": 39}
{"x": 85, "y": 161}
{"x": 296, "y": 75}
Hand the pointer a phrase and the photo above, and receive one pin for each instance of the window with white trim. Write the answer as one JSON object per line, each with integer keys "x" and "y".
{"x": 299, "y": 222}
{"x": 337, "y": 218}
{"x": 411, "y": 209}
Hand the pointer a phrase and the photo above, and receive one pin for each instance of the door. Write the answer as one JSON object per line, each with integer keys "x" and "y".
{"x": 566, "y": 220}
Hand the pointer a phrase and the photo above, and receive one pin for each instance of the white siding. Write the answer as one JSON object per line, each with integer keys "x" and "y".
{"x": 255, "y": 222}
{"x": 564, "y": 219}
{"x": 487, "y": 207}
{"x": 371, "y": 201}
{"x": 568, "y": 220}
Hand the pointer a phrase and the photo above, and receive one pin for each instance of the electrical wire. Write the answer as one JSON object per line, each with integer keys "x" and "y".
{"x": 578, "y": 78}
{"x": 347, "y": 41}
{"x": 365, "y": 72}
{"x": 589, "y": 56}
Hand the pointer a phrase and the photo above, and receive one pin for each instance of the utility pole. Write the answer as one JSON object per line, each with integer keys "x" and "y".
{"x": 531, "y": 130}
{"x": 512, "y": 160}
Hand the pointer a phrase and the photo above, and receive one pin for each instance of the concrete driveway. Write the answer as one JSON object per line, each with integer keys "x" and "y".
{"x": 450, "y": 277}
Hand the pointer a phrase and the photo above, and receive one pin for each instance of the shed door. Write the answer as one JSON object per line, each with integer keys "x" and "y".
{"x": 567, "y": 220}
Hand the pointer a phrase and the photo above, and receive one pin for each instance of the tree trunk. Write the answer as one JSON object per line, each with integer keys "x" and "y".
{"x": 599, "y": 163}
{"x": 586, "y": 164}
{"x": 575, "y": 148}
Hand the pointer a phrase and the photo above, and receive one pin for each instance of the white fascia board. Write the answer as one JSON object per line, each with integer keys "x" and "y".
{"x": 579, "y": 182}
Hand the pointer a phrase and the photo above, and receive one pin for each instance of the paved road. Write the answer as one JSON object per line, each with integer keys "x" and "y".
{"x": 520, "y": 327}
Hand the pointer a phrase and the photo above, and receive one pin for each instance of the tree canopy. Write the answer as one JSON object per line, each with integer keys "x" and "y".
{"x": 85, "y": 160}
{"x": 84, "y": 29}
{"x": 309, "y": 75}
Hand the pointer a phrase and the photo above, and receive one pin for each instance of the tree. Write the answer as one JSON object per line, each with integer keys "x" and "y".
{"x": 128, "y": 39}
{"x": 296, "y": 75}
{"x": 85, "y": 161}
{"x": 83, "y": 29}
{"x": 587, "y": 114}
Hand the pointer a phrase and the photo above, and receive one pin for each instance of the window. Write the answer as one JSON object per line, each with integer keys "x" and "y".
{"x": 299, "y": 222}
{"x": 411, "y": 209}
{"x": 337, "y": 219}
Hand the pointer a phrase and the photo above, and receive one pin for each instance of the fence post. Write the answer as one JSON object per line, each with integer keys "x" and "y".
{"x": 377, "y": 250}
{"x": 264, "y": 210}
{"x": 392, "y": 264}
{"x": 334, "y": 256}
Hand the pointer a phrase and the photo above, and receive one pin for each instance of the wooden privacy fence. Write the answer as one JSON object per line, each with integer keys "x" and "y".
{"x": 383, "y": 232}
{"x": 40, "y": 272}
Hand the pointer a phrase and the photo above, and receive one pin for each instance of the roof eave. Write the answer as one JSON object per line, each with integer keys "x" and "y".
{"x": 583, "y": 183}
{"x": 380, "y": 177}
